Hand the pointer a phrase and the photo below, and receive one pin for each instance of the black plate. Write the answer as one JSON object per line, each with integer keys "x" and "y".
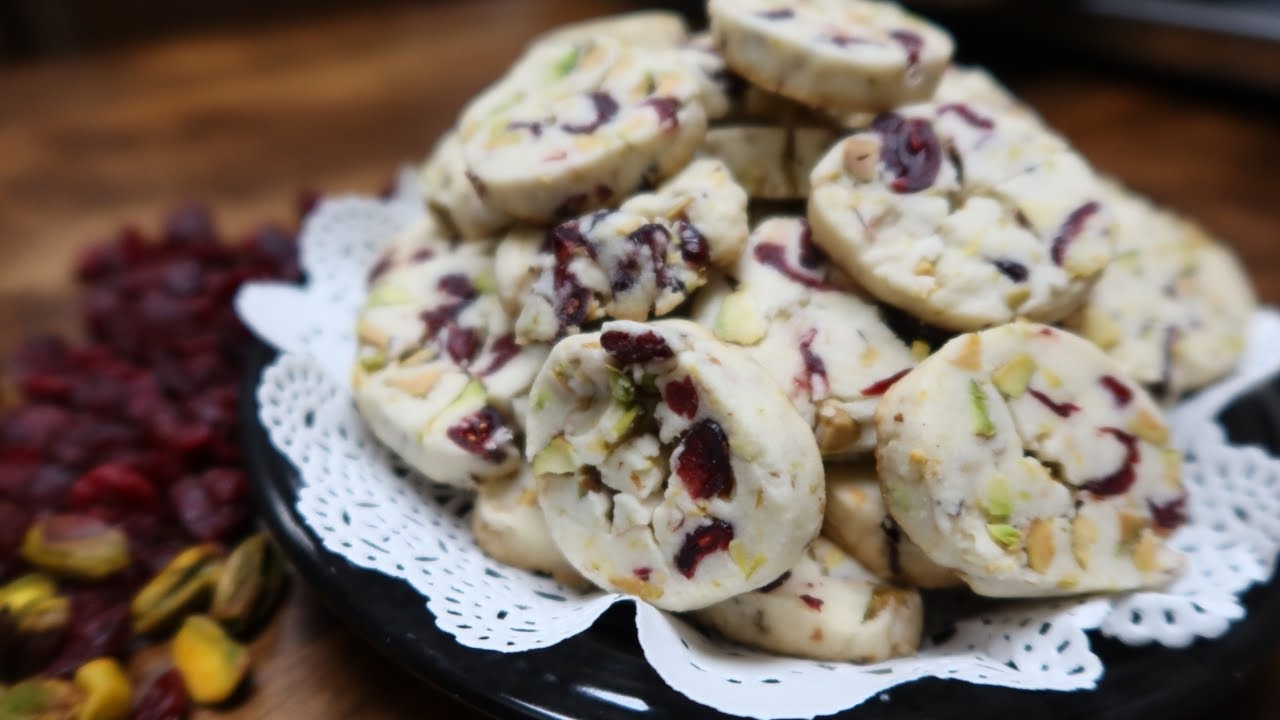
{"x": 584, "y": 676}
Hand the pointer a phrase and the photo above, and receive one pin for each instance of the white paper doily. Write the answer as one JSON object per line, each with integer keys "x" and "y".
{"x": 367, "y": 508}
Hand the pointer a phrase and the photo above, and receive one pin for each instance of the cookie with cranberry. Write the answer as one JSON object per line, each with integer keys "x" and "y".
{"x": 1173, "y": 308}
{"x": 963, "y": 217}
{"x": 642, "y": 260}
{"x": 670, "y": 466}
{"x": 438, "y": 376}
{"x": 836, "y": 55}
{"x": 857, "y": 521}
{"x": 509, "y": 527}
{"x": 577, "y": 126}
{"x": 1022, "y": 457}
{"x": 826, "y": 607}
{"x": 820, "y": 338}
{"x": 771, "y": 162}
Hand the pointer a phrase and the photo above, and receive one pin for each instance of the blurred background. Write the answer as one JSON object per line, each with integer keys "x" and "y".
{"x": 1232, "y": 42}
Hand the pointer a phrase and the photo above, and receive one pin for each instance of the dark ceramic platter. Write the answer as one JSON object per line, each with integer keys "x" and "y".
{"x": 585, "y": 676}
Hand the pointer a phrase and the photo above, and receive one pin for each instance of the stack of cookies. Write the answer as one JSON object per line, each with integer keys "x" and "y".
{"x": 780, "y": 324}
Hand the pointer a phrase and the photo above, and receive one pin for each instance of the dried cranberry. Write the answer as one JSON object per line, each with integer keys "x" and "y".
{"x": 1061, "y": 409}
{"x": 457, "y": 285}
{"x": 1120, "y": 392}
{"x": 776, "y": 582}
{"x": 910, "y": 42}
{"x": 655, "y": 238}
{"x": 200, "y": 513}
{"x": 881, "y": 387}
{"x": 481, "y": 434}
{"x": 775, "y": 256}
{"x": 114, "y": 485}
{"x": 910, "y": 150}
{"x": 164, "y": 699}
{"x": 98, "y": 626}
{"x": 644, "y": 573}
{"x": 702, "y": 461}
{"x": 631, "y": 349}
{"x": 1171, "y": 515}
{"x": 48, "y": 487}
{"x": 712, "y": 537}
{"x": 35, "y": 426}
{"x": 814, "y": 368}
{"x": 844, "y": 40}
{"x": 1122, "y": 479}
{"x": 13, "y": 526}
{"x": 1012, "y": 269}
{"x": 968, "y": 115}
{"x": 813, "y": 602}
{"x": 461, "y": 344}
{"x": 682, "y": 397}
{"x": 666, "y": 108}
{"x": 500, "y": 353}
{"x": 812, "y": 257}
{"x": 189, "y": 224}
{"x": 1071, "y": 227}
{"x": 605, "y": 108}
{"x": 693, "y": 246}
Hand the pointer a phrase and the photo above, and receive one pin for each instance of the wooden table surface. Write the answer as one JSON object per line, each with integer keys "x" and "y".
{"x": 244, "y": 120}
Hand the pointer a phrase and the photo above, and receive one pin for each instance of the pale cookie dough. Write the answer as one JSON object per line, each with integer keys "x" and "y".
{"x": 827, "y": 607}
{"x": 447, "y": 190}
{"x": 963, "y": 217}
{"x": 770, "y": 162}
{"x": 577, "y": 126}
{"x": 669, "y": 465}
{"x": 964, "y": 84}
{"x": 857, "y": 521}
{"x": 648, "y": 29}
{"x": 509, "y": 527}
{"x": 1173, "y": 308}
{"x": 642, "y": 260}
{"x": 438, "y": 376}
{"x": 837, "y": 55}
{"x": 521, "y": 255}
{"x": 1022, "y": 457}
{"x": 825, "y": 344}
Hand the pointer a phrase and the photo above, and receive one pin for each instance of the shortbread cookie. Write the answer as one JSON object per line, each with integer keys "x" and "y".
{"x": 770, "y": 162}
{"x": 649, "y": 29}
{"x": 963, "y": 217}
{"x": 510, "y": 528}
{"x": 857, "y": 521}
{"x": 447, "y": 190}
{"x": 826, "y": 345}
{"x": 837, "y": 55}
{"x": 438, "y": 374}
{"x": 1022, "y": 457}
{"x": 579, "y": 126}
{"x": 642, "y": 260}
{"x": 827, "y": 607}
{"x": 1173, "y": 308}
{"x": 670, "y": 466}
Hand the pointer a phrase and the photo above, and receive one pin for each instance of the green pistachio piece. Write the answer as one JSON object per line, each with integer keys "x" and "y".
{"x": 76, "y": 546}
{"x": 618, "y": 419}
{"x": 373, "y": 363}
{"x": 251, "y": 581}
{"x": 982, "y": 424}
{"x": 738, "y": 321}
{"x": 1007, "y": 535}
{"x": 385, "y": 295}
{"x": 567, "y": 63}
{"x": 1011, "y": 379}
{"x": 555, "y": 459}
{"x": 998, "y": 501}
{"x": 40, "y": 699}
{"x": 184, "y": 584}
{"x": 620, "y": 385}
{"x": 26, "y": 591}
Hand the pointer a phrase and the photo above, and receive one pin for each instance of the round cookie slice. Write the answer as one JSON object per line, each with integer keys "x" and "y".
{"x": 1173, "y": 308}
{"x": 825, "y": 344}
{"x": 827, "y": 607}
{"x": 963, "y": 217}
{"x": 1022, "y": 457}
{"x": 447, "y": 190}
{"x": 836, "y": 55}
{"x": 578, "y": 126}
{"x": 641, "y": 260}
{"x": 438, "y": 375}
{"x": 670, "y": 467}
{"x": 770, "y": 162}
{"x": 856, "y": 520}
{"x": 509, "y": 527}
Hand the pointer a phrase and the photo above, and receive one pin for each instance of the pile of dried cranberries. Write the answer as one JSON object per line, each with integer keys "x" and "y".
{"x": 124, "y": 507}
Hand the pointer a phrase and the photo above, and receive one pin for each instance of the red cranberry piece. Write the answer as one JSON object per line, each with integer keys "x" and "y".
{"x": 1012, "y": 269}
{"x": 881, "y": 387}
{"x": 35, "y": 426}
{"x": 164, "y": 699}
{"x": 461, "y": 344}
{"x": 1120, "y": 392}
{"x": 682, "y": 397}
{"x": 16, "y": 469}
{"x": 114, "y": 485}
{"x": 702, "y": 461}
{"x": 98, "y": 627}
{"x": 189, "y": 224}
{"x": 182, "y": 278}
{"x": 967, "y": 114}
{"x": 693, "y": 246}
{"x": 655, "y": 238}
{"x": 457, "y": 285}
{"x": 1071, "y": 227}
{"x": 812, "y": 257}
{"x": 48, "y": 487}
{"x": 910, "y": 150}
{"x": 1122, "y": 479}
{"x": 779, "y": 14}
{"x": 814, "y": 368}
{"x": 666, "y": 109}
{"x": 814, "y": 603}
{"x": 14, "y": 520}
{"x": 200, "y": 513}
{"x": 1171, "y": 515}
{"x": 910, "y": 42}
{"x": 631, "y": 349}
{"x": 500, "y": 353}
{"x": 844, "y": 40}
{"x": 605, "y": 108}
{"x": 278, "y": 248}
{"x": 1061, "y": 409}
{"x": 482, "y": 434}
{"x": 776, "y": 583}
{"x": 775, "y": 256}
{"x": 644, "y": 573}
{"x": 712, "y": 537}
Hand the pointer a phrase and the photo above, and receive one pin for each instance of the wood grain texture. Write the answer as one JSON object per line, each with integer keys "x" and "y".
{"x": 244, "y": 120}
